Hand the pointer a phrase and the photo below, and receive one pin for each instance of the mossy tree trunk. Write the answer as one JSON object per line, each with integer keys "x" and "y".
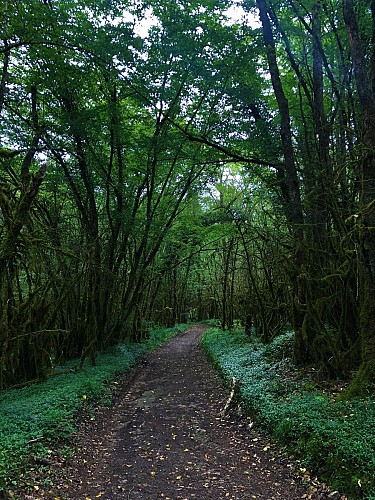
{"x": 364, "y": 70}
{"x": 290, "y": 188}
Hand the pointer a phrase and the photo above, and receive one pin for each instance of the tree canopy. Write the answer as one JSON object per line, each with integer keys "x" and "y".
{"x": 162, "y": 163}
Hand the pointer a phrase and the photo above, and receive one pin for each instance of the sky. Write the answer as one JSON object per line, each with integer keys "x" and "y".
{"x": 235, "y": 13}
{"x": 238, "y": 15}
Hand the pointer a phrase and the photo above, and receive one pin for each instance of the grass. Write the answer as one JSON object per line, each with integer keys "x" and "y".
{"x": 335, "y": 438}
{"x": 34, "y": 418}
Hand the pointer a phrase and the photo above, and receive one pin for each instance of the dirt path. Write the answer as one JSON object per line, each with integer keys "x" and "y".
{"x": 164, "y": 439}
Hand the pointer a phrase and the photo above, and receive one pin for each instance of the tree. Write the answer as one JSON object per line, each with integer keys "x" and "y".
{"x": 364, "y": 70}
{"x": 201, "y": 169}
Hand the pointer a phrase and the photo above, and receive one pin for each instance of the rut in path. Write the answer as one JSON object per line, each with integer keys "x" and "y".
{"x": 164, "y": 438}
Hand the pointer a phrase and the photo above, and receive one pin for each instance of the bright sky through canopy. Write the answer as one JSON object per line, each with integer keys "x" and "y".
{"x": 235, "y": 14}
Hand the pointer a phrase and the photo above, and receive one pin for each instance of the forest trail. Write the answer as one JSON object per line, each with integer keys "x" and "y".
{"x": 164, "y": 438}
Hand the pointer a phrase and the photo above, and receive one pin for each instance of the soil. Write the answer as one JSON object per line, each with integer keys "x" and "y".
{"x": 165, "y": 437}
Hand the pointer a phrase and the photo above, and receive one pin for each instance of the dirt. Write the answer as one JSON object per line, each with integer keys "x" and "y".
{"x": 165, "y": 437}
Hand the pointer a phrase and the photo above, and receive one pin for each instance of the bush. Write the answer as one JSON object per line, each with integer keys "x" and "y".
{"x": 335, "y": 438}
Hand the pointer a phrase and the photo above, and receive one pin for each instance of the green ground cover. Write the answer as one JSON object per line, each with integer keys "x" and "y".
{"x": 335, "y": 438}
{"x": 34, "y": 418}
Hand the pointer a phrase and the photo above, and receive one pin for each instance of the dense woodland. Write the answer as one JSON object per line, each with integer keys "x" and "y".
{"x": 161, "y": 162}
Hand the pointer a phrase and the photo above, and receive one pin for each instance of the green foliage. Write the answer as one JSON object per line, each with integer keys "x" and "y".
{"x": 34, "y": 418}
{"x": 281, "y": 347}
{"x": 159, "y": 335}
{"x": 336, "y": 438}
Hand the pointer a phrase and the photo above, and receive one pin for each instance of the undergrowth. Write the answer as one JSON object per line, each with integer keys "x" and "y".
{"x": 35, "y": 418}
{"x": 335, "y": 438}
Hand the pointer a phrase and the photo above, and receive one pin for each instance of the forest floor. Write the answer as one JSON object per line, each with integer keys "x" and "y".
{"x": 164, "y": 437}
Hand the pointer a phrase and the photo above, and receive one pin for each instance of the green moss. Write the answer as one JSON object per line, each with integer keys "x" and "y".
{"x": 363, "y": 383}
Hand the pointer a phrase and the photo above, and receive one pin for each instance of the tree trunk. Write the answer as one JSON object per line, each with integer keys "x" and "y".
{"x": 365, "y": 80}
{"x": 290, "y": 189}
